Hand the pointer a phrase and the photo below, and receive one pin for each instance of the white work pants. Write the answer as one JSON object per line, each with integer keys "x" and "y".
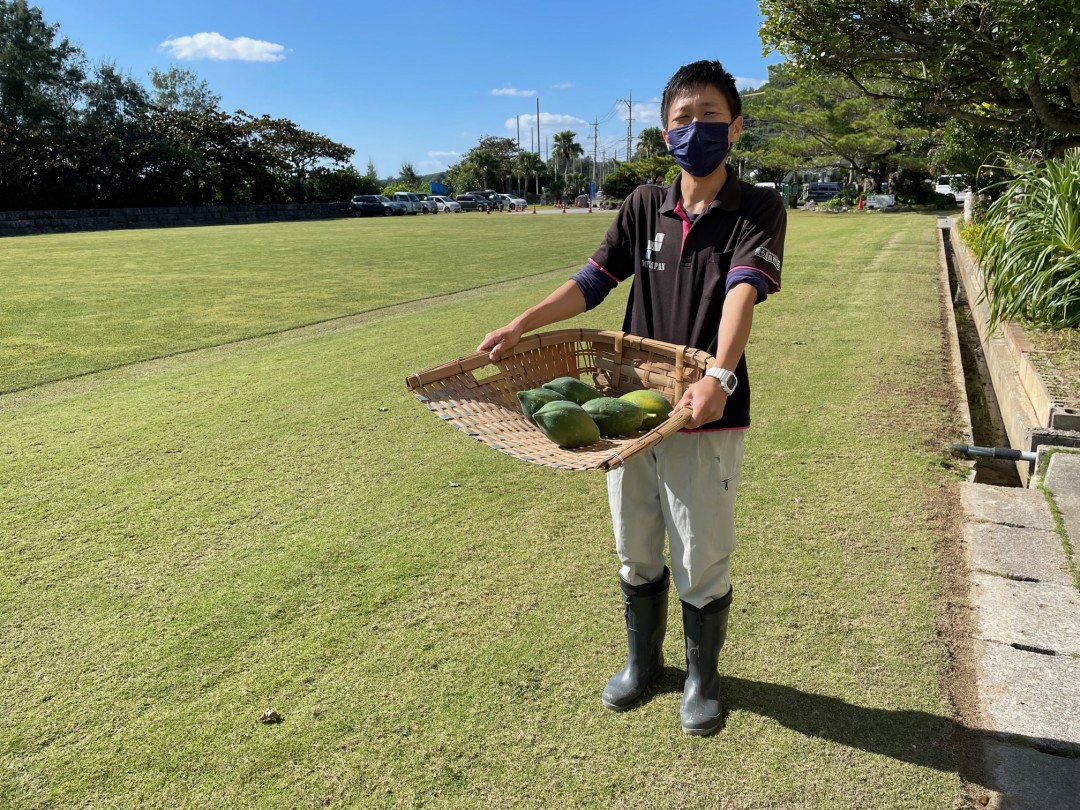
{"x": 685, "y": 487}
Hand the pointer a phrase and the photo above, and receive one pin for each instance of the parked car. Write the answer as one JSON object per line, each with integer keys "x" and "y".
{"x": 409, "y": 200}
{"x": 819, "y": 192}
{"x": 396, "y": 208}
{"x": 512, "y": 203}
{"x": 493, "y": 198}
{"x": 429, "y": 204}
{"x": 473, "y": 202}
{"x": 951, "y": 184}
{"x": 444, "y": 203}
{"x": 369, "y": 205}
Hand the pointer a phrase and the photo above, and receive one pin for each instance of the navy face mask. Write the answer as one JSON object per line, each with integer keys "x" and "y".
{"x": 699, "y": 148}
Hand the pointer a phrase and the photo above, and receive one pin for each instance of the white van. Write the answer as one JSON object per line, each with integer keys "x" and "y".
{"x": 944, "y": 185}
{"x": 410, "y": 201}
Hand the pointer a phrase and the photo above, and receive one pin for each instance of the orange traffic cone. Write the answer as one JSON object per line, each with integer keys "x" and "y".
{"x": 860, "y": 206}
{"x": 534, "y": 209}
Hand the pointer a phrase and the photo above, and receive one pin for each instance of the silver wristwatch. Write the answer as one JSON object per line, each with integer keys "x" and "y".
{"x": 727, "y": 379}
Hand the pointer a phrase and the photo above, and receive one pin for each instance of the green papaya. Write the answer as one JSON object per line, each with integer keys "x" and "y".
{"x": 655, "y": 405}
{"x": 536, "y": 398}
{"x": 573, "y": 389}
{"x": 567, "y": 424}
{"x": 614, "y": 416}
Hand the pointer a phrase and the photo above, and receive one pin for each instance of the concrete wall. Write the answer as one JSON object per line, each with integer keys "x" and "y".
{"x": 22, "y": 223}
{"x": 1032, "y": 416}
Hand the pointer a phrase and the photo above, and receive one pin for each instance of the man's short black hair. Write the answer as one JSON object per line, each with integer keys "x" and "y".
{"x": 701, "y": 74}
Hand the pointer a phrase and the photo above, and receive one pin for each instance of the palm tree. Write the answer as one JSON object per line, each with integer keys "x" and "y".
{"x": 650, "y": 143}
{"x": 567, "y": 148}
{"x": 529, "y": 163}
{"x": 484, "y": 164}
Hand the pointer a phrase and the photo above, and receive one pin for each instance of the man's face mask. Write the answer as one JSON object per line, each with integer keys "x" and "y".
{"x": 700, "y": 147}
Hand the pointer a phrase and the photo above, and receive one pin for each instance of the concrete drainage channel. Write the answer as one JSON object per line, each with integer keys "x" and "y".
{"x": 1021, "y": 538}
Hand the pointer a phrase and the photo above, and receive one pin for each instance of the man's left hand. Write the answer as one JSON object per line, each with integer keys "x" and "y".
{"x": 706, "y": 400}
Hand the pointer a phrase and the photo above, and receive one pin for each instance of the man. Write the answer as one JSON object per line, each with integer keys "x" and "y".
{"x": 701, "y": 254}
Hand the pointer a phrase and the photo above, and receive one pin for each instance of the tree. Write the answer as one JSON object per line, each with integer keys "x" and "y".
{"x": 650, "y": 143}
{"x": 338, "y": 184}
{"x": 40, "y": 81}
{"x": 485, "y": 165}
{"x": 529, "y": 163}
{"x": 110, "y": 141}
{"x": 1012, "y": 67}
{"x": 296, "y": 151}
{"x": 625, "y": 177}
{"x": 180, "y": 89}
{"x": 409, "y": 178}
{"x": 566, "y": 148}
{"x": 504, "y": 151}
{"x": 800, "y": 122}
{"x": 574, "y": 184}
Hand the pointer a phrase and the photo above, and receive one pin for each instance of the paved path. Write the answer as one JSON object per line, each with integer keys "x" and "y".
{"x": 1027, "y": 636}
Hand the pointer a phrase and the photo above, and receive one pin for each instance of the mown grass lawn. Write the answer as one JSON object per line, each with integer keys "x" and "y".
{"x": 78, "y": 303}
{"x": 286, "y": 527}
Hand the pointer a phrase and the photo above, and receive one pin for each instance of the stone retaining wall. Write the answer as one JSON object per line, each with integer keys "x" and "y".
{"x": 1033, "y": 417}
{"x": 22, "y": 223}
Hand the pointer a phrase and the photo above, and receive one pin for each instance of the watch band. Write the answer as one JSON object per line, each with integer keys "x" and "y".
{"x": 727, "y": 379}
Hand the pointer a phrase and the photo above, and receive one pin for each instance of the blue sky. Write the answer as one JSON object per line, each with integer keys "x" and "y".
{"x": 421, "y": 82}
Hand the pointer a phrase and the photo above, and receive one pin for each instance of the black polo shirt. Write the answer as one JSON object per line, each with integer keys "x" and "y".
{"x": 680, "y": 268}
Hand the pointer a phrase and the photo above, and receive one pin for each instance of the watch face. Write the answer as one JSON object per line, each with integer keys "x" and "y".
{"x": 726, "y": 379}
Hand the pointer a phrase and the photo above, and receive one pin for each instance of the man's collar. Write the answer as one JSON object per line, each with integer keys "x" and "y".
{"x": 727, "y": 199}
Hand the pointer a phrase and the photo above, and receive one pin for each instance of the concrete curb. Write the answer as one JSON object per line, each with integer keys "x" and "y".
{"x": 1027, "y": 637}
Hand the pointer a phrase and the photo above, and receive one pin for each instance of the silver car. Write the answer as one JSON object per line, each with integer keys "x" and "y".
{"x": 446, "y": 204}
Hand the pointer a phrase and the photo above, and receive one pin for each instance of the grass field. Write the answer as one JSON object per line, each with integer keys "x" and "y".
{"x": 78, "y": 303}
{"x": 187, "y": 543}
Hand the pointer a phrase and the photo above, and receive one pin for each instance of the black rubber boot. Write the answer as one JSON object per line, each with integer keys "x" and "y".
{"x": 706, "y": 629}
{"x": 646, "y": 622}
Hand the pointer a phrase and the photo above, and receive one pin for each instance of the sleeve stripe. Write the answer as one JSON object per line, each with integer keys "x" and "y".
{"x": 774, "y": 286}
{"x": 605, "y": 272}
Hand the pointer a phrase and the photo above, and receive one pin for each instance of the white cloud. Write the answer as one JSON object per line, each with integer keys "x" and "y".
{"x": 744, "y": 83}
{"x": 443, "y": 156}
{"x": 512, "y": 91}
{"x": 564, "y": 85}
{"x": 215, "y": 46}
{"x": 646, "y": 113}
{"x": 546, "y": 120}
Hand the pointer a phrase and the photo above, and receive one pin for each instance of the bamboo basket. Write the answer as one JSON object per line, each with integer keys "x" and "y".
{"x": 479, "y": 397}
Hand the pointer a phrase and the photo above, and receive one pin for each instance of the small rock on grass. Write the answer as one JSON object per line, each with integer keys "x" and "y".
{"x": 271, "y": 716}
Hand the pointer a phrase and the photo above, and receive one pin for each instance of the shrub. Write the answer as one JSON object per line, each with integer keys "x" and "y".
{"x": 844, "y": 199}
{"x": 942, "y": 201}
{"x": 1033, "y": 270}
{"x": 977, "y": 236}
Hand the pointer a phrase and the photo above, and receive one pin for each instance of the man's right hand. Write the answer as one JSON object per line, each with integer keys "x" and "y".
{"x": 565, "y": 302}
{"x": 502, "y": 340}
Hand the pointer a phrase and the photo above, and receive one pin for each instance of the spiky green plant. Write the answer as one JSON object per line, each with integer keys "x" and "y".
{"x": 1032, "y": 267}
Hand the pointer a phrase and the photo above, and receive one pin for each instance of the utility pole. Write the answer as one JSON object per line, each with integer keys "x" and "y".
{"x": 538, "y": 125}
{"x": 629, "y": 102}
{"x": 595, "y": 143}
{"x": 517, "y": 120}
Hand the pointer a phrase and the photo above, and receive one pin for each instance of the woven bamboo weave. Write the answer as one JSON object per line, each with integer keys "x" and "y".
{"x": 479, "y": 397}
